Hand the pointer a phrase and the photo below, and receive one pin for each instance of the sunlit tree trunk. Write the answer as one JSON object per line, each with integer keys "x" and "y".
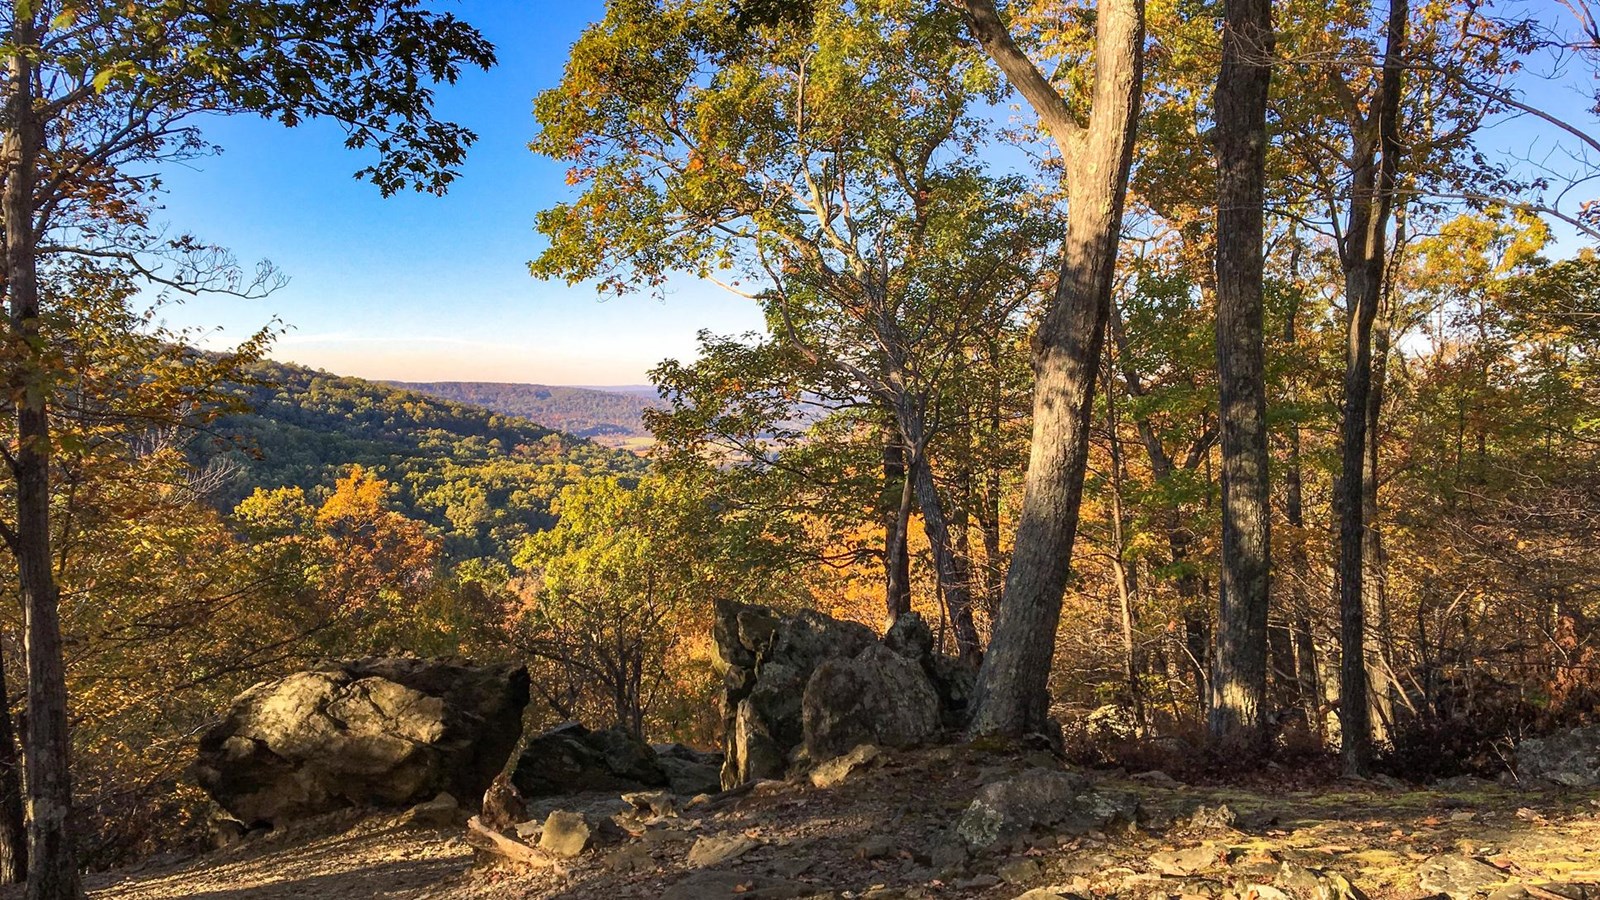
{"x": 1012, "y": 690}
{"x": 896, "y": 552}
{"x": 1239, "y": 671}
{"x": 53, "y": 868}
{"x": 1376, "y": 154}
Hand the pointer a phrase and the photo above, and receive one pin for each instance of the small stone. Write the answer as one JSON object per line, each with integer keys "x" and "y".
{"x": 1461, "y": 877}
{"x": 441, "y": 812}
{"x": 656, "y": 838}
{"x": 836, "y": 770}
{"x": 528, "y": 831}
{"x": 1191, "y": 861}
{"x": 632, "y": 858}
{"x": 1019, "y": 871}
{"x": 714, "y": 850}
{"x": 876, "y": 846}
{"x": 1214, "y": 818}
{"x": 565, "y": 834}
{"x": 948, "y": 858}
{"x": 978, "y": 882}
{"x": 660, "y": 804}
{"x": 1158, "y": 778}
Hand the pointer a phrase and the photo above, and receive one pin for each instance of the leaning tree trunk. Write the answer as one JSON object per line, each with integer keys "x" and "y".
{"x": 1372, "y": 194}
{"x": 1012, "y": 691}
{"x": 1239, "y": 673}
{"x": 952, "y": 569}
{"x": 53, "y": 868}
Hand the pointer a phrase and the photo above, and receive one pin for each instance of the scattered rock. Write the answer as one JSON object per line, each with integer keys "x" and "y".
{"x": 566, "y": 834}
{"x": 570, "y": 758}
{"x": 714, "y": 850}
{"x": 369, "y": 732}
{"x": 1570, "y": 758}
{"x": 1214, "y": 818}
{"x": 877, "y": 696}
{"x": 1460, "y": 877}
{"x": 441, "y": 812}
{"x": 632, "y": 858}
{"x": 948, "y": 858}
{"x": 706, "y": 885}
{"x": 1191, "y": 861}
{"x": 1157, "y": 778}
{"x": 1040, "y": 798}
{"x": 836, "y": 770}
{"x": 876, "y": 846}
{"x": 659, "y": 804}
{"x": 1312, "y": 884}
{"x": 1019, "y": 871}
{"x": 502, "y": 848}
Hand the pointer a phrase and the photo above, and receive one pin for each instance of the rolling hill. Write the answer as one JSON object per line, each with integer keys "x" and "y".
{"x": 610, "y": 416}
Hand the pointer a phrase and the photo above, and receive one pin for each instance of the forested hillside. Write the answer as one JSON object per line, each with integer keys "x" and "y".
{"x": 613, "y": 417}
{"x": 481, "y": 478}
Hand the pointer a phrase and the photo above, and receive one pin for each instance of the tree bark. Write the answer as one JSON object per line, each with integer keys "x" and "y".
{"x": 1376, "y": 162}
{"x": 1239, "y": 671}
{"x": 13, "y": 827}
{"x": 53, "y": 867}
{"x": 1012, "y": 690}
{"x": 896, "y": 554}
{"x": 952, "y": 569}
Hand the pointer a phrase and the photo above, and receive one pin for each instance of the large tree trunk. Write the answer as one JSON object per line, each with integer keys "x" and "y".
{"x": 13, "y": 828}
{"x": 1239, "y": 673}
{"x": 1012, "y": 691}
{"x": 1374, "y": 566}
{"x": 1377, "y": 156}
{"x": 53, "y": 869}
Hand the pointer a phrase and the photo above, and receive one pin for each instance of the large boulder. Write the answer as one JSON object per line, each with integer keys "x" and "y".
{"x": 370, "y": 732}
{"x": 1570, "y": 758}
{"x": 570, "y": 758}
{"x": 876, "y": 697}
{"x": 767, "y": 658}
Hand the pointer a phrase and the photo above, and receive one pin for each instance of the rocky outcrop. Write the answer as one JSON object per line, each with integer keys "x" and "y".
{"x": 875, "y": 697}
{"x": 370, "y": 732}
{"x": 803, "y": 688}
{"x": 570, "y": 758}
{"x": 1570, "y": 758}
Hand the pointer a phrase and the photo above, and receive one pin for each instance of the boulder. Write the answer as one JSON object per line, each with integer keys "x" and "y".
{"x": 566, "y": 834}
{"x": 1458, "y": 877}
{"x": 1570, "y": 758}
{"x": 767, "y": 658}
{"x": 690, "y": 771}
{"x": 1038, "y": 799}
{"x": 571, "y": 758}
{"x": 876, "y": 697}
{"x": 370, "y": 732}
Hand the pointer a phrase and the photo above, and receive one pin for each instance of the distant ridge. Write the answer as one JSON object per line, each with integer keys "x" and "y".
{"x": 613, "y": 415}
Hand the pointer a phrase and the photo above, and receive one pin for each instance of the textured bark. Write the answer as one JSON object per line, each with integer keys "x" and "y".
{"x": 1239, "y": 671}
{"x": 896, "y": 555}
{"x": 1012, "y": 691}
{"x": 1376, "y": 161}
{"x": 13, "y": 827}
{"x": 953, "y": 577}
{"x": 1374, "y": 565}
{"x": 52, "y": 870}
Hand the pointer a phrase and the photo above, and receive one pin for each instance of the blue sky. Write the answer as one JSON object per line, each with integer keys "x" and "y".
{"x": 424, "y": 288}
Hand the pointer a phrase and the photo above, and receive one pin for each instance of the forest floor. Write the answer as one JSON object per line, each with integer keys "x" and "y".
{"x": 886, "y": 832}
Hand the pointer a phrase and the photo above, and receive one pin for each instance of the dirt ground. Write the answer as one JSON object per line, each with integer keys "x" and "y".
{"x": 887, "y": 833}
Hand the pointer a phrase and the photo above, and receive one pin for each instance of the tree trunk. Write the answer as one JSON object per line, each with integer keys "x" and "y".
{"x": 1374, "y": 568}
{"x": 1376, "y": 162}
{"x": 1239, "y": 670}
{"x": 13, "y": 827}
{"x": 896, "y": 553}
{"x": 952, "y": 569}
{"x": 1012, "y": 691}
{"x": 53, "y": 868}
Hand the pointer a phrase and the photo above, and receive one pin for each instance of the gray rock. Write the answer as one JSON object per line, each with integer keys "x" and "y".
{"x": 1570, "y": 758}
{"x": 834, "y": 771}
{"x": 441, "y": 812}
{"x": 690, "y": 771}
{"x": 877, "y": 697}
{"x": 716, "y": 849}
{"x": 1460, "y": 877}
{"x": 632, "y": 858}
{"x": 570, "y": 758}
{"x": 1313, "y": 884}
{"x": 370, "y": 732}
{"x": 1040, "y": 798}
{"x": 1190, "y": 861}
{"x": 566, "y": 834}
{"x": 1019, "y": 871}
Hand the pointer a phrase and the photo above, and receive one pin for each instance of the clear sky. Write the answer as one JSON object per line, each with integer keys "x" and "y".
{"x": 424, "y": 288}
